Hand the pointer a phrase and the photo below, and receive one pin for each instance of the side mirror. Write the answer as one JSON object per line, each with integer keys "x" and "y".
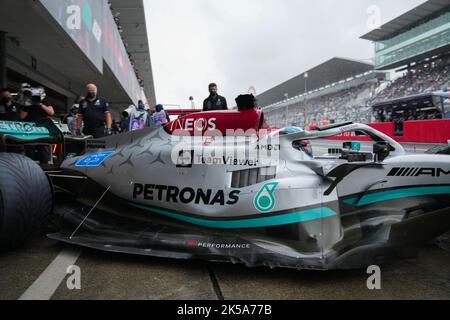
{"x": 381, "y": 151}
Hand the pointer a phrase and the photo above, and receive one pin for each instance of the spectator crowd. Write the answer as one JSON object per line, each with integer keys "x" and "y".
{"x": 426, "y": 78}
{"x": 354, "y": 104}
{"x": 116, "y": 16}
{"x": 341, "y": 106}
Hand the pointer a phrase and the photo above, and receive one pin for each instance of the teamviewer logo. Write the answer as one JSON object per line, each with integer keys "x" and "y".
{"x": 185, "y": 159}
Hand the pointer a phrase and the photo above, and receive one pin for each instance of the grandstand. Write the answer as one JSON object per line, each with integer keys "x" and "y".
{"x": 339, "y": 91}
{"x": 416, "y": 45}
{"x": 417, "y": 42}
{"x": 427, "y": 77}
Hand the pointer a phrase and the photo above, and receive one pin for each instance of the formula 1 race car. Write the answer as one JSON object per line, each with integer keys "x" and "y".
{"x": 221, "y": 186}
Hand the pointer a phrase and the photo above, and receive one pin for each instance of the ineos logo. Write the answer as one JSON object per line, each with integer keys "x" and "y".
{"x": 190, "y": 124}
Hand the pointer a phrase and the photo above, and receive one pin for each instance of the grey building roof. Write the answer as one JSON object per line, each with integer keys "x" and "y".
{"x": 407, "y": 20}
{"x": 327, "y": 73}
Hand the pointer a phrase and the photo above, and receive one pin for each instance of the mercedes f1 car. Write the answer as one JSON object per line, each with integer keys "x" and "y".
{"x": 195, "y": 189}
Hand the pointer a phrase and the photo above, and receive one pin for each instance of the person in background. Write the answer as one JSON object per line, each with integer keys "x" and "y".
{"x": 72, "y": 119}
{"x": 94, "y": 112}
{"x": 113, "y": 127}
{"x": 214, "y": 101}
{"x": 314, "y": 125}
{"x": 116, "y": 129}
{"x": 380, "y": 116}
{"x": 124, "y": 124}
{"x": 9, "y": 111}
{"x": 39, "y": 110}
{"x": 139, "y": 119}
{"x": 159, "y": 117}
{"x": 141, "y": 105}
{"x": 411, "y": 115}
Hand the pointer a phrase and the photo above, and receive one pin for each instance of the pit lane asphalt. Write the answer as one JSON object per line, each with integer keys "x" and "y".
{"x": 117, "y": 276}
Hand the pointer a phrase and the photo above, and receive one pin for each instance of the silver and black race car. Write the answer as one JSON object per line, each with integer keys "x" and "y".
{"x": 221, "y": 186}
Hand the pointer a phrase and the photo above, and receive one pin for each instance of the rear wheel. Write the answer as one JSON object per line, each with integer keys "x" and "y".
{"x": 26, "y": 200}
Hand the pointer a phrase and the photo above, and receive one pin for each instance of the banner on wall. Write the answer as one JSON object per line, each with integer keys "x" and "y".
{"x": 82, "y": 21}
{"x": 91, "y": 26}
{"x": 116, "y": 56}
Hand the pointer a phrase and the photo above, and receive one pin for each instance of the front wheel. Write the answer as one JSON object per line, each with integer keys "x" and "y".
{"x": 26, "y": 200}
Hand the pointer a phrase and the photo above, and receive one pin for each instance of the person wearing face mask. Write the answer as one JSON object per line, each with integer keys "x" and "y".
{"x": 9, "y": 111}
{"x": 214, "y": 102}
{"x": 94, "y": 112}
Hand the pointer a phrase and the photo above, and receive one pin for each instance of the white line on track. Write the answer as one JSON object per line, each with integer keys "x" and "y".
{"x": 46, "y": 284}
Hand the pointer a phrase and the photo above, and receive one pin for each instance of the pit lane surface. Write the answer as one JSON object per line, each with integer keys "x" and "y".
{"x": 37, "y": 271}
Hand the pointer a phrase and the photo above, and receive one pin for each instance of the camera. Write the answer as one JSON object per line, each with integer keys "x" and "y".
{"x": 29, "y": 96}
{"x": 127, "y": 112}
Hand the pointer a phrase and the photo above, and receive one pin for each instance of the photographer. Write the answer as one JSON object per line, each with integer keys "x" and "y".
{"x": 9, "y": 111}
{"x": 34, "y": 109}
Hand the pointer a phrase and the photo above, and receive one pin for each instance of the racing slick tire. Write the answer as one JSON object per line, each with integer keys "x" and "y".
{"x": 26, "y": 200}
{"x": 440, "y": 149}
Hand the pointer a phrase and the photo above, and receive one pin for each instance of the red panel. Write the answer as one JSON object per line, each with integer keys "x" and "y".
{"x": 216, "y": 120}
{"x": 421, "y": 131}
{"x": 182, "y": 112}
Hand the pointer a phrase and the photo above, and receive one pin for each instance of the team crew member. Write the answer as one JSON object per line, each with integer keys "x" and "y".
{"x": 9, "y": 111}
{"x": 94, "y": 112}
{"x": 214, "y": 101}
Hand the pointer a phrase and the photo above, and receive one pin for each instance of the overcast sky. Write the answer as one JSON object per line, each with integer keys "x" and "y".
{"x": 260, "y": 43}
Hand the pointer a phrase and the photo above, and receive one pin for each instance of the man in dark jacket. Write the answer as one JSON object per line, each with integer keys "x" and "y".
{"x": 214, "y": 102}
{"x": 94, "y": 112}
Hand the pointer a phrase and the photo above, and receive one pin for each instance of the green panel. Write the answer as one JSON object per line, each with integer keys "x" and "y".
{"x": 398, "y": 194}
{"x": 23, "y": 130}
{"x": 282, "y": 219}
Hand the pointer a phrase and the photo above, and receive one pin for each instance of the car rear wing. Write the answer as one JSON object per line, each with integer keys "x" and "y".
{"x": 43, "y": 132}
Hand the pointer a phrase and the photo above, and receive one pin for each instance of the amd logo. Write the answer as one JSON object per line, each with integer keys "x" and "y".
{"x": 417, "y": 172}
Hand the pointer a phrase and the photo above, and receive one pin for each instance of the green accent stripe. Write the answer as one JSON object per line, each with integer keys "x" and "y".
{"x": 31, "y": 137}
{"x": 397, "y": 194}
{"x": 23, "y": 129}
{"x": 282, "y": 219}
